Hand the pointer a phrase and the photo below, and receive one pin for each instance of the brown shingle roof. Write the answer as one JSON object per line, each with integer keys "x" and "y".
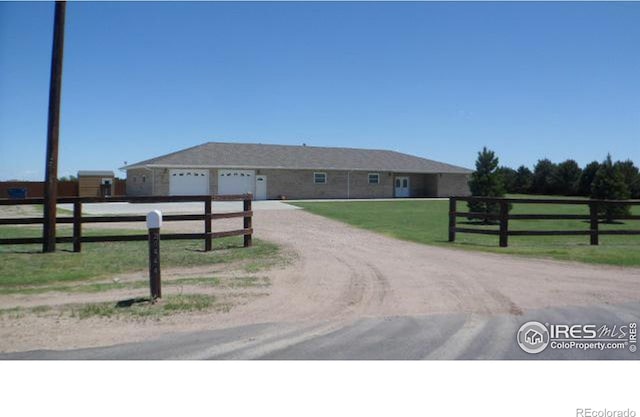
{"x": 254, "y": 155}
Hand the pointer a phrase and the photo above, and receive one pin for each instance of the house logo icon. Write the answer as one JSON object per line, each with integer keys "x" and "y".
{"x": 533, "y": 337}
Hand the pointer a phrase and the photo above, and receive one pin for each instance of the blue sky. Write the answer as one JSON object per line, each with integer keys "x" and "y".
{"x": 438, "y": 80}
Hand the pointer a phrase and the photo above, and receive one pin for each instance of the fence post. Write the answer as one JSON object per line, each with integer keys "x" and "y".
{"x": 593, "y": 213}
{"x": 207, "y": 224}
{"x": 504, "y": 224}
{"x": 246, "y": 206}
{"x": 452, "y": 219}
{"x": 154, "y": 222}
{"x": 77, "y": 226}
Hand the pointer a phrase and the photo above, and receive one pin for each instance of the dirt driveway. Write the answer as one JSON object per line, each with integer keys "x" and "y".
{"x": 343, "y": 274}
{"x": 345, "y": 271}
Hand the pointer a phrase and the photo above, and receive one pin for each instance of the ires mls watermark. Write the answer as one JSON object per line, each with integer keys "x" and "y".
{"x": 535, "y": 337}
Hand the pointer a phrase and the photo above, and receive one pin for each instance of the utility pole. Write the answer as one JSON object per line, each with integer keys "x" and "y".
{"x": 53, "y": 129}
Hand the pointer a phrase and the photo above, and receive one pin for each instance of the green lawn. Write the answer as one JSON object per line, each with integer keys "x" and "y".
{"x": 22, "y": 266}
{"x": 427, "y": 222}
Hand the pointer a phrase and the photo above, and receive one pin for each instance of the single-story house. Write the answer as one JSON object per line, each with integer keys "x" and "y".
{"x": 294, "y": 172}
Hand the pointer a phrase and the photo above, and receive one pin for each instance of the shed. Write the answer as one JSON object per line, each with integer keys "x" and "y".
{"x": 95, "y": 183}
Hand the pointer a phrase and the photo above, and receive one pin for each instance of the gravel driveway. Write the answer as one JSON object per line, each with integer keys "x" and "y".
{"x": 451, "y": 302}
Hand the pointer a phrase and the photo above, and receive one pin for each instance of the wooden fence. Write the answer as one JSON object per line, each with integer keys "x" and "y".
{"x": 78, "y": 219}
{"x": 504, "y": 216}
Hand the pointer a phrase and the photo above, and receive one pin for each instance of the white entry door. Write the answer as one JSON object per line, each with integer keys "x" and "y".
{"x": 188, "y": 182}
{"x": 236, "y": 181}
{"x": 402, "y": 186}
{"x": 261, "y": 187}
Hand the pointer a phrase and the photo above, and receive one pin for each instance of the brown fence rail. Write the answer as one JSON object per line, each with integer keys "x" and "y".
{"x": 503, "y": 218}
{"x": 78, "y": 219}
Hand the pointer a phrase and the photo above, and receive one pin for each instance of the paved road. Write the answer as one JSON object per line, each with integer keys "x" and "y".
{"x": 443, "y": 336}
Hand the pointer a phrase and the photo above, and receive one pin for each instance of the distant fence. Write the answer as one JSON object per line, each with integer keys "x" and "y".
{"x": 78, "y": 219}
{"x": 504, "y": 216}
{"x": 35, "y": 189}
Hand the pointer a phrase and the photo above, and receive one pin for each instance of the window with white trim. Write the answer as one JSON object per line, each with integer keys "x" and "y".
{"x": 319, "y": 177}
{"x": 374, "y": 178}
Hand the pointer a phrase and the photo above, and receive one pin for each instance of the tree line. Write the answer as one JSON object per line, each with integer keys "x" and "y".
{"x": 606, "y": 180}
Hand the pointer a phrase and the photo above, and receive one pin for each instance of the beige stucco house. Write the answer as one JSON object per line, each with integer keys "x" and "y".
{"x": 294, "y": 172}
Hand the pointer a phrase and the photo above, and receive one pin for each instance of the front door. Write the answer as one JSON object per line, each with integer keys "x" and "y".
{"x": 261, "y": 187}
{"x": 402, "y": 186}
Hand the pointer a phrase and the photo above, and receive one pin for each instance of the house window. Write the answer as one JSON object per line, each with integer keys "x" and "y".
{"x": 320, "y": 177}
{"x": 144, "y": 178}
{"x": 374, "y": 178}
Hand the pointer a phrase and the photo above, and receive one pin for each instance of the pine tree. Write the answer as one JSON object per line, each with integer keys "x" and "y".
{"x": 586, "y": 178}
{"x": 564, "y": 179}
{"x": 609, "y": 184}
{"x": 508, "y": 178}
{"x": 486, "y": 182}
{"x": 631, "y": 176}
{"x": 523, "y": 180}
{"x": 542, "y": 173}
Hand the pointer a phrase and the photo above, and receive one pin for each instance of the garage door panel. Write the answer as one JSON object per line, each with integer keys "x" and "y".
{"x": 189, "y": 182}
{"x": 235, "y": 181}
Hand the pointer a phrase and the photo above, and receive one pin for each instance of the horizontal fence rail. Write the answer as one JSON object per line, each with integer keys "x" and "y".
{"x": 503, "y": 216}
{"x": 77, "y": 220}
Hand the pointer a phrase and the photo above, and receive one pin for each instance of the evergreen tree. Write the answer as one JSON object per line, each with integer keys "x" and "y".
{"x": 508, "y": 178}
{"x": 631, "y": 176}
{"x": 542, "y": 173}
{"x": 523, "y": 180}
{"x": 564, "y": 179}
{"x": 586, "y": 178}
{"x": 486, "y": 182}
{"x": 609, "y": 184}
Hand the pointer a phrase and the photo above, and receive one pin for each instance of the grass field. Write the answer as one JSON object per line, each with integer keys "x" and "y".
{"x": 427, "y": 222}
{"x": 23, "y": 268}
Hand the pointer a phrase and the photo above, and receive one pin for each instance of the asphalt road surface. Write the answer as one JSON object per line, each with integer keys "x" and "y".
{"x": 441, "y": 336}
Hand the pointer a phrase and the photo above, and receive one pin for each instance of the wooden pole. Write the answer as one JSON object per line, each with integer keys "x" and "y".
{"x": 504, "y": 224}
{"x": 452, "y": 219}
{"x": 207, "y": 224}
{"x": 247, "y": 221}
{"x": 154, "y": 263}
{"x": 593, "y": 212}
{"x": 53, "y": 129}
{"x": 77, "y": 226}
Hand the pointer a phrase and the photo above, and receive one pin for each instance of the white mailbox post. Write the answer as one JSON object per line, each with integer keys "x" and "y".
{"x": 154, "y": 222}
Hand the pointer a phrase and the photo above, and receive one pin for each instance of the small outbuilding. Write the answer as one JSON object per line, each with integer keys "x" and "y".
{"x": 95, "y": 183}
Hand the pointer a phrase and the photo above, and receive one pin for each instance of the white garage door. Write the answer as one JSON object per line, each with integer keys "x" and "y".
{"x": 188, "y": 182}
{"x": 236, "y": 181}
